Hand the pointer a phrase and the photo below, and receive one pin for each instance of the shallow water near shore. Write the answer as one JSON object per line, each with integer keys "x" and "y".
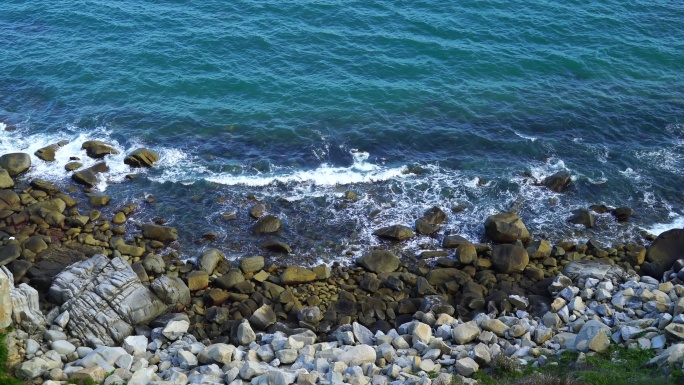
{"x": 408, "y": 105}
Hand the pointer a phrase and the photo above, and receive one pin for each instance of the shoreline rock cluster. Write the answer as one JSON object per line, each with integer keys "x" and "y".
{"x": 87, "y": 296}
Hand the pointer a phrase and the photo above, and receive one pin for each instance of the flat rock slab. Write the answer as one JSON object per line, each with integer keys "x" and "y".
{"x": 105, "y": 299}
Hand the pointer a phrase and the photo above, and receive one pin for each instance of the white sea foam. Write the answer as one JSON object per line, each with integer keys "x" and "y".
{"x": 676, "y": 223}
{"x": 530, "y": 138}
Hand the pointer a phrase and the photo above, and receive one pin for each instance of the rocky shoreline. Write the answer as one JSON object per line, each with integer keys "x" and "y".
{"x": 90, "y": 297}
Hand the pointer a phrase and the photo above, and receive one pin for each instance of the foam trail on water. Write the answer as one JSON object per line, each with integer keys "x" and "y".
{"x": 530, "y": 138}
{"x": 676, "y": 223}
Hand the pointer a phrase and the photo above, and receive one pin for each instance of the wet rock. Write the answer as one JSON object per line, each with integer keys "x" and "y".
{"x": 277, "y": 246}
{"x": 395, "y": 232}
{"x": 159, "y": 233}
{"x": 379, "y": 261}
{"x": 267, "y": 224}
{"x": 6, "y": 180}
{"x": 506, "y": 228}
{"x": 425, "y": 228}
{"x": 97, "y": 149}
{"x": 435, "y": 216}
{"x": 141, "y": 157}
{"x": 72, "y": 166}
{"x": 105, "y": 299}
{"x": 47, "y": 153}
{"x": 453, "y": 241}
{"x": 583, "y": 217}
{"x": 252, "y": 264}
{"x": 88, "y": 176}
{"x": 509, "y": 258}
{"x": 15, "y": 163}
{"x": 622, "y": 214}
{"x": 295, "y": 275}
{"x": 257, "y": 211}
{"x": 558, "y": 182}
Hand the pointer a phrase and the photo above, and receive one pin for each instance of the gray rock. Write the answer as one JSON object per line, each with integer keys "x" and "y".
{"x": 217, "y": 353}
{"x": 466, "y": 366}
{"x": 175, "y": 329}
{"x": 251, "y": 369}
{"x": 6, "y": 285}
{"x": 31, "y": 346}
{"x": 286, "y": 356}
{"x": 358, "y": 355}
{"x": 362, "y": 334}
{"x": 154, "y": 263}
{"x": 594, "y": 336}
{"x": 422, "y": 333}
{"x": 135, "y": 345}
{"x": 172, "y": 290}
{"x": 395, "y": 232}
{"x": 141, "y": 377}
{"x": 105, "y": 299}
{"x": 465, "y": 332}
{"x": 245, "y": 334}
{"x": 63, "y": 347}
{"x": 31, "y": 369}
{"x": 26, "y": 308}
{"x": 509, "y": 258}
{"x": 209, "y": 260}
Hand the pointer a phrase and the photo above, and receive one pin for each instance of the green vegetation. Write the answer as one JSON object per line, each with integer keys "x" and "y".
{"x": 618, "y": 366}
{"x": 4, "y": 378}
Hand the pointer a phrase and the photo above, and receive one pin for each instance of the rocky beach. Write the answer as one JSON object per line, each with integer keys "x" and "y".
{"x": 99, "y": 298}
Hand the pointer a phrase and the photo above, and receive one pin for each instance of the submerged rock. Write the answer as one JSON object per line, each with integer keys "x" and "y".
{"x": 558, "y": 182}
{"x": 267, "y": 224}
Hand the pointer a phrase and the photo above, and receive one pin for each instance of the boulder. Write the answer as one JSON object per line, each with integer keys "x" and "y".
{"x": 583, "y": 217}
{"x": 267, "y": 224}
{"x": 263, "y": 317}
{"x": 9, "y": 253}
{"x": 594, "y": 336}
{"x": 141, "y": 157}
{"x": 172, "y": 290}
{"x": 558, "y": 182}
{"x": 599, "y": 269}
{"x": 453, "y": 241}
{"x": 435, "y": 216}
{"x": 622, "y": 214}
{"x": 358, "y": 355}
{"x": 43, "y": 185}
{"x": 465, "y": 332}
{"x": 159, "y": 233}
{"x": 47, "y": 153}
{"x": 209, "y": 260}
{"x": 295, "y": 275}
{"x": 26, "y": 309}
{"x": 6, "y": 180}
{"x": 88, "y": 176}
{"x": 32, "y": 368}
{"x": 466, "y": 253}
{"x": 506, "y": 228}
{"x": 51, "y": 261}
{"x": 379, "y": 261}
{"x": 509, "y": 258}
{"x": 668, "y": 246}
{"x": 425, "y": 228}
{"x": 105, "y": 299}
{"x": 277, "y": 246}
{"x": 15, "y": 163}
{"x": 252, "y": 264}
{"x": 395, "y": 232}
{"x": 97, "y": 149}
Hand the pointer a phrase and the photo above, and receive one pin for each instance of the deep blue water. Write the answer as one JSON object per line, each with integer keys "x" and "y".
{"x": 451, "y": 103}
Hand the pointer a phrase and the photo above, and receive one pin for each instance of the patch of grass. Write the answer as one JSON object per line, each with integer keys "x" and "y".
{"x": 4, "y": 356}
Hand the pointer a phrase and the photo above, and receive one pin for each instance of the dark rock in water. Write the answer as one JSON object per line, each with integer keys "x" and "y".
{"x": 257, "y": 211}
{"x": 622, "y": 214}
{"x": 453, "y": 241}
{"x": 509, "y": 258}
{"x": 88, "y": 176}
{"x": 43, "y": 185}
{"x": 47, "y": 153}
{"x": 558, "y": 182}
{"x": 506, "y": 228}
{"x": 9, "y": 253}
{"x": 395, "y": 232}
{"x": 71, "y": 166}
{"x": 425, "y": 228}
{"x": 599, "y": 209}
{"x": 159, "y": 233}
{"x": 15, "y": 163}
{"x": 277, "y": 246}
{"x": 6, "y": 180}
{"x": 141, "y": 157}
{"x": 435, "y": 216}
{"x": 97, "y": 149}
{"x": 379, "y": 261}
{"x": 583, "y": 217}
{"x": 267, "y": 224}
{"x": 667, "y": 248}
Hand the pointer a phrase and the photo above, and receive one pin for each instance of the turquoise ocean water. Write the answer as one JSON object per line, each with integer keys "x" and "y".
{"x": 449, "y": 103}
